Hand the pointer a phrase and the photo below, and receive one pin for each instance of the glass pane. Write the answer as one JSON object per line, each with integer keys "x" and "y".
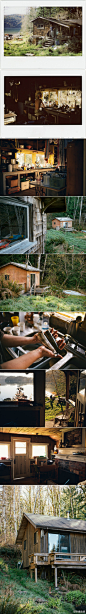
{"x": 64, "y": 543}
{"x": 58, "y": 543}
{"x": 53, "y": 542}
{"x": 20, "y": 447}
{"x": 38, "y": 450}
{"x": 4, "y": 450}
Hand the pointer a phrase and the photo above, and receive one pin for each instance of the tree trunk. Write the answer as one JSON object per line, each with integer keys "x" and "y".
{"x": 45, "y": 260}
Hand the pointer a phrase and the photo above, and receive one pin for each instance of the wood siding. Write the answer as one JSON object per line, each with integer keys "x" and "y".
{"x": 75, "y": 168}
{"x": 77, "y": 543}
{"x": 43, "y": 29}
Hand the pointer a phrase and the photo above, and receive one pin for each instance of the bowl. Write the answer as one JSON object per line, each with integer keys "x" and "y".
{"x": 8, "y": 330}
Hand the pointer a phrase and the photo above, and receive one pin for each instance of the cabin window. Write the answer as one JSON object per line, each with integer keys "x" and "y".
{"x": 64, "y": 543}
{"x": 35, "y": 537}
{"x": 6, "y": 277}
{"x": 39, "y": 450}
{"x": 20, "y": 447}
{"x": 59, "y": 543}
{"x": 40, "y": 25}
{"x": 4, "y": 450}
{"x": 25, "y": 544}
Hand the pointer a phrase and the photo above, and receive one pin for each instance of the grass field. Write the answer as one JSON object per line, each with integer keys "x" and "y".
{"x": 18, "y": 48}
{"x": 65, "y": 241}
{"x": 51, "y": 413}
{"x": 39, "y": 303}
{"x": 19, "y": 594}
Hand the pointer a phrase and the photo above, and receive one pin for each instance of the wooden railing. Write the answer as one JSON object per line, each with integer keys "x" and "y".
{"x": 58, "y": 556}
{"x": 40, "y": 558}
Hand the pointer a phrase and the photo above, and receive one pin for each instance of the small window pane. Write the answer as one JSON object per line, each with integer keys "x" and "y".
{"x": 20, "y": 447}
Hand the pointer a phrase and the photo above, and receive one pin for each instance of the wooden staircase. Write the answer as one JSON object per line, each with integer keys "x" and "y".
{"x": 49, "y": 42}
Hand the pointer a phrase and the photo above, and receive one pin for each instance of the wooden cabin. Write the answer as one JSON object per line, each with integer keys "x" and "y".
{"x": 37, "y": 455}
{"x": 49, "y": 543}
{"x": 62, "y": 222}
{"x": 25, "y": 454}
{"x": 50, "y": 27}
{"x": 22, "y": 274}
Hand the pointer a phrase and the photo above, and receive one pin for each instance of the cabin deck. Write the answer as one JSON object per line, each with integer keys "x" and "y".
{"x": 56, "y": 561}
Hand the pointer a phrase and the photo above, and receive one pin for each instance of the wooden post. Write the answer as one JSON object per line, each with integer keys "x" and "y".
{"x": 67, "y": 390}
{"x": 39, "y": 394}
{"x": 36, "y": 574}
{"x": 55, "y": 577}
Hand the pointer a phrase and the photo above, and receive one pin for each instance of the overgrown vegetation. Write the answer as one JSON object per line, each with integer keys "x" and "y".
{"x": 9, "y": 289}
{"x": 62, "y": 272}
{"x": 21, "y": 48}
{"x": 49, "y": 303}
{"x": 64, "y": 241}
{"x": 20, "y": 595}
{"x": 56, "y": 409}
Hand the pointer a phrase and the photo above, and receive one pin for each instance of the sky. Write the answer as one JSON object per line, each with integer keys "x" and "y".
{"x": 8, "y": 385}
{"x": 17, "y": 10}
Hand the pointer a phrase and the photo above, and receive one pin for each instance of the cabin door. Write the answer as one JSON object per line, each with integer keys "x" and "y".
{"x": 32, "y": 280}
{"x": 21, "y": 461}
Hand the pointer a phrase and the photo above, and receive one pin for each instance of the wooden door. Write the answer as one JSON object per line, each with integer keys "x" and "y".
{"x": 21, "y": 460}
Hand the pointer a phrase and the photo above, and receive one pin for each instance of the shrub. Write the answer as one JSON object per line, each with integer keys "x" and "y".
{"x": 76, "y": 597}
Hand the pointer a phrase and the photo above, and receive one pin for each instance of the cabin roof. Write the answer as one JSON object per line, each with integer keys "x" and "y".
{"x": 63, "y": 219}
{"x": 21, "y": 266}
{"x": 72, "y": 525}
{"x": 49, "y": 19}
{"x": 67, "y": 23}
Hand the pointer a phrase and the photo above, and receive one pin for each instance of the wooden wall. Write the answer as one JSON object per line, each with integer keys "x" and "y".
{"x": 42, "y": 31}
{"x": 75, "y": 168}
{"x": 77, "y": 543}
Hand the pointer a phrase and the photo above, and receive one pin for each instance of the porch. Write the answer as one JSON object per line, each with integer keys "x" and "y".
{"x": 56, "y": 561}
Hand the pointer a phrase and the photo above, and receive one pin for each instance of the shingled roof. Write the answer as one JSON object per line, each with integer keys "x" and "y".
{"x": 65, "y": 22}
{"x": 53, "y": 523}
{"x": 21, "y": 266}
